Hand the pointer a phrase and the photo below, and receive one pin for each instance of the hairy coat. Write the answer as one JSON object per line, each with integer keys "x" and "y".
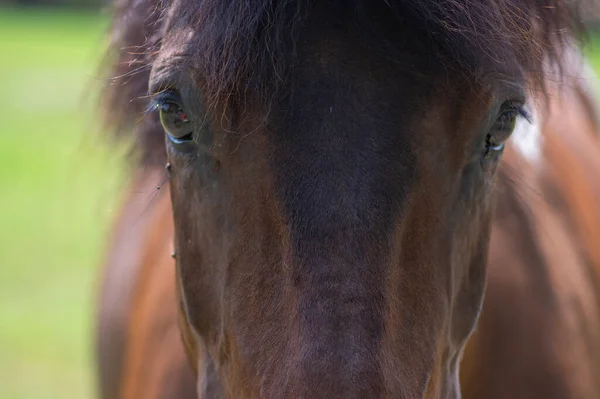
{"x": 333, "y": 203}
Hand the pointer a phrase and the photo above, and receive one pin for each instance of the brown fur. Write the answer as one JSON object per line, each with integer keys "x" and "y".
{"x": 119, "y": 277}
{"x": 333, "y": 211}
{"x": 466, "y": 35}
{"x": 140, "y": 345}
{"x": 537, "y": 336}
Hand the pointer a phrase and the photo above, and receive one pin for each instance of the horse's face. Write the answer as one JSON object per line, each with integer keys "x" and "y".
{"x": 334, "y": 244}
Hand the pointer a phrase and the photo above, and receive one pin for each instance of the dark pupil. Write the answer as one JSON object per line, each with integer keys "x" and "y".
{"x": 174, "y": 120}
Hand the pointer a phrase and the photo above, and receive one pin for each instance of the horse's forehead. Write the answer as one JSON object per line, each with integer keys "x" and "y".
{"x": 179, "y": 30}
{"x": 184, "y": 38}
{"x": 173, "y": 58}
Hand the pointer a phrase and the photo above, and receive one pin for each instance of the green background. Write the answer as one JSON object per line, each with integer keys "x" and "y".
{"x": 58, "y": 195}
{"x": 58, "y": 192}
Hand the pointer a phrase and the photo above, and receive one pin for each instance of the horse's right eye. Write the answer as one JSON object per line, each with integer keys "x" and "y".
{"x": 174, "y": 119}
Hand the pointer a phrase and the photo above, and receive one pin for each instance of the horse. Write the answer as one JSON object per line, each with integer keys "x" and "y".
{"x": 353, "y": 199}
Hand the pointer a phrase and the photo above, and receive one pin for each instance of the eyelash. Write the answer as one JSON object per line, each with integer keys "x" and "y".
{"x": 155, "y": 102}
{"x": 521, "y": 111}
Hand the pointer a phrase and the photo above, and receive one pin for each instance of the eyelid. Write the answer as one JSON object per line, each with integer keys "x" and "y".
{"x": 518, "y": 106}
{"x": 168, "y": 95}
{"x": 164, "y": 96}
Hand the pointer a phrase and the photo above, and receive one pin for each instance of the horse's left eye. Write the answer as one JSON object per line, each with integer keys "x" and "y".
{"x": 174, "y": 119}
{"x": 502, "y": 128}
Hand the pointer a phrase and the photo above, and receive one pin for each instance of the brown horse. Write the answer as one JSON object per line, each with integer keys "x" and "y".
{"x": 340, "y": 198}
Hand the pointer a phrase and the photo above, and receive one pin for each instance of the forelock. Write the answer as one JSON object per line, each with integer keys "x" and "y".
{"x": 244, "y": 49}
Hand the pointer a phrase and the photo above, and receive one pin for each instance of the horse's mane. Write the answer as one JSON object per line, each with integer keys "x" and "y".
{"x": 245, "y": 47}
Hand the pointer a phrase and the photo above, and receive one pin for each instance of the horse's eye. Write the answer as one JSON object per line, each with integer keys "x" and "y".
{"x": 502, "y": 127}
{"x": 174, "y": 119}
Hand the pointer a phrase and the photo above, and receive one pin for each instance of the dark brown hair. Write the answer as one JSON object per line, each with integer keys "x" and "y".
{"x": 247, "y": 47}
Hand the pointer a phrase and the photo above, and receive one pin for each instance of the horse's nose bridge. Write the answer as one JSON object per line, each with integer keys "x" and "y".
{"x": 341, "y": 178}
{"x": 341, "y": 211}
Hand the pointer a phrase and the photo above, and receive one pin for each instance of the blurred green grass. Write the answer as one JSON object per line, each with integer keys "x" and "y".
{"x": 592, "y": 48}
{"x": 59, "y": 185}
{"x": 58, "y": 189}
